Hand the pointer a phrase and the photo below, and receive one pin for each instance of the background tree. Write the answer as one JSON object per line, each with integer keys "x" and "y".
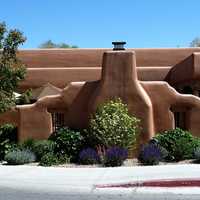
{"x": 195, "y": 42}
{"x": 11, "y": 69}
{"x": 49, "y": 44}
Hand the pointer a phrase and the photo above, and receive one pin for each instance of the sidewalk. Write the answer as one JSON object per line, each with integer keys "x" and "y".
{"x": 35, "y": 183}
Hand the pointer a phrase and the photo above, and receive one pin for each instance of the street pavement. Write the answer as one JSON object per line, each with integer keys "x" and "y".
{"x": 56, "y": 183}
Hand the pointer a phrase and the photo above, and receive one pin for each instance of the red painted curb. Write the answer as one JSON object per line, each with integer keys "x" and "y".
{"x": 156, "y": 183}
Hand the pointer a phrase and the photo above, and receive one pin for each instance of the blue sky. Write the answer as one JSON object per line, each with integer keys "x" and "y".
{"x": 96, "y": 23}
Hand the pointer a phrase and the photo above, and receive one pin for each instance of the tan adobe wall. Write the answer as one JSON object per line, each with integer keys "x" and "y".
{"x": 62, "y": 66}
{"x": 150, "y": 99}
{"x": 59, "y": 58}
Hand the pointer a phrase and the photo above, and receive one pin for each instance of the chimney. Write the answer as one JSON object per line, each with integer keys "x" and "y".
{"x": 118, "y": 45}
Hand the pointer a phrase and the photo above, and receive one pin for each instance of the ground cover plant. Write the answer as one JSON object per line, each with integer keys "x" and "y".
{"x": 31, "y": 150}
{"x": 19, "y": 157}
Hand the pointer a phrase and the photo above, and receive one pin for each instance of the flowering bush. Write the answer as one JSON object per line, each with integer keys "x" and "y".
{"x": 112, "y": 125}
{"x": 150, "y": 154}
{"x": 115, "y": 156}
{"x": 89, "y": 156}
{"x": 51, "y": 158}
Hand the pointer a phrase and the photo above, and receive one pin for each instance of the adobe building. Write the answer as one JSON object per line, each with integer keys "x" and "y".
{"x": 160, "y": 86}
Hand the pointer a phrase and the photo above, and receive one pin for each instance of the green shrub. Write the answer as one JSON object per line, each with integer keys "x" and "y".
{"x": 62, "y": 159}
{"x": 42, "y": 147}
{"x": 180, "y": 144}
{"x": 113, "y": 126}
{"x": 50, "y": 159}
{"x": 28, "y": 144}
{"x": 67, "y": 142}
{"x": 19, "y": 157}
{"x": 197, "y": 154}
{"x": 39, "y": 147}
{"x": 184, "y": 149}
{"x": 8, "y": 136}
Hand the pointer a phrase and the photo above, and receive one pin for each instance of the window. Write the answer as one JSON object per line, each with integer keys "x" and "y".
{"x": 57, "y": 120}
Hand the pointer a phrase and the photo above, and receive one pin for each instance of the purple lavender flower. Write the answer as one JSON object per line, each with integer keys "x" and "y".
{"x": 115, "y": 156}
{"x": 150, "y": 154}
{"x": 89, "y": 156}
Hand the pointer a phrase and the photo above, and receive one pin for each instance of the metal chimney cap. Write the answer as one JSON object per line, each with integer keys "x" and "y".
{"x": 118, "y": 45}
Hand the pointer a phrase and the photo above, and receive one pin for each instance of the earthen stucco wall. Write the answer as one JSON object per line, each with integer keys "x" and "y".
{"x": 65, "y": 68}
{"x": 60, "y": 67}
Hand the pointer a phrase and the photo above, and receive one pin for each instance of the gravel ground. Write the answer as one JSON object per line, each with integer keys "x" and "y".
{"x": 127, "y": 163}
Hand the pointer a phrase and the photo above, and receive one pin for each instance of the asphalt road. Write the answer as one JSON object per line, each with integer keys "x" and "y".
{"x": 35, "y": 183}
